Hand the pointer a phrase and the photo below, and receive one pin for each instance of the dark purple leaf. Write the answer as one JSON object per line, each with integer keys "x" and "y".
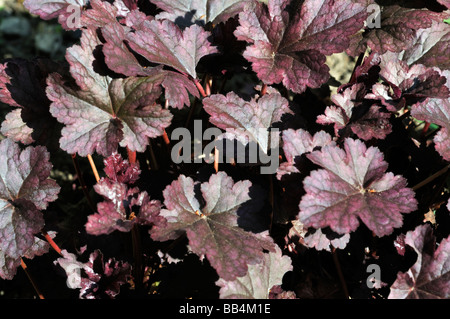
{"x": 25, "y": 189}
{"x": 352, "y": 185}
{"x": 213, "y": 230}
{"x": 430, "y": 47}
{"x": 260, "y": 278}
{"x": 22, "y": 84}
{"x": 288, "y": 46}
{"x": 429, "y": 277}
{"x": 397, "y": 31}
{"x": 437, "y": 111}
{"x": 105, "y": 112}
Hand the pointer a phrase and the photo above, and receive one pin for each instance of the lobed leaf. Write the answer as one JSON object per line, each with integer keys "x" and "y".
{"x": 259, "y": 280}
{"x": 213, "y": 229}
{"x": 288, "y": 46}
{"x": 429, "y": 277}
{"x": 25, "y": 189}
{"x": 353, "y": 185}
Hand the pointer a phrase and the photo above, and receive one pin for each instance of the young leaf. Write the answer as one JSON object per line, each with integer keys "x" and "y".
{"x": 288, "y": 47}
{"x": 163, "y": 42}
{"x": 259, "y": 280}
{"x": 429, "y": 277}
{"x": 246, "y": 120}
{"x": 25, "y": 189}
{"x": 105, "y": 112}
{"x": 213, "y": 230}
{"x": 120, "y": 209}
{"x": 352, "y": 185}
{"x": 96, "y": 278}
{"x": 372, "y": 124}
{"x": 187, "y": 12}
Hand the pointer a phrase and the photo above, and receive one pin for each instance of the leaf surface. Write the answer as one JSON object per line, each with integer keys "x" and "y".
{"x": 259, "y": 280}
{"x": 353, "y": 185}
{"x": 246, "y": 120}
{"x": 287, "y": 46}
{"x": 187, "y": 12}
{"x": 105, "y": 112}
{"x": 429, "y": 277}
{"x": 163, "y": 42}
{"x": 25, "y": 189}
{"x": 213, "y": 229}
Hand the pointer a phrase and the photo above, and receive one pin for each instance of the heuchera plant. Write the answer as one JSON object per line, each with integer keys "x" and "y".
{"x": 362, "y": 175}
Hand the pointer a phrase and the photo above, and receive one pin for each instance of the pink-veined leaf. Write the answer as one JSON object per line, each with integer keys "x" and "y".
{"x": 105, "y": 112}
{"x": 188, "y": 12}
{"x": 259, "y": 280}
{"x": 14, "y": 128}
{"x": 25, "y": 189}
{"x": 353, "y": 186}
{"x": 288, "y": 47}
{"x": 213, "y": 230}
{"x": 246, "y": 120}
{"x": 429, "y": 277}
{"x": 163, "y": 42}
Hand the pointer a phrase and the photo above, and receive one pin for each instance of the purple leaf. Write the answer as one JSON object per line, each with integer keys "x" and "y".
{"x": 298, "y": 142}
{"x": 352, "y": 185}
{"x": 213, "y": 230}
{"x": 397, "y": 31}
{"x": 14, "y": 128}
{"x": 195, "y": 11}
{"x": 429, "y": 277}
{"x": 246, "y": 120}
{"x": 321, "y": 241}
{"x": 288, "y": 47}
{"x": 105, "y": 112}
{"x": 430, "y": 47}
{"x": 259, "y": 280}
{"x": 119, "y": 210}
{"x": 22, "y": 84}
{"x": 61, "y": 9}
{"x": 96, "y": 278}
{"x": 372, "y": 124}
{"x": 437, "y": 111}
{"x": 24, "y": 190}
{"x": 163, "y": 42}
{"x": 119, "y": 59}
